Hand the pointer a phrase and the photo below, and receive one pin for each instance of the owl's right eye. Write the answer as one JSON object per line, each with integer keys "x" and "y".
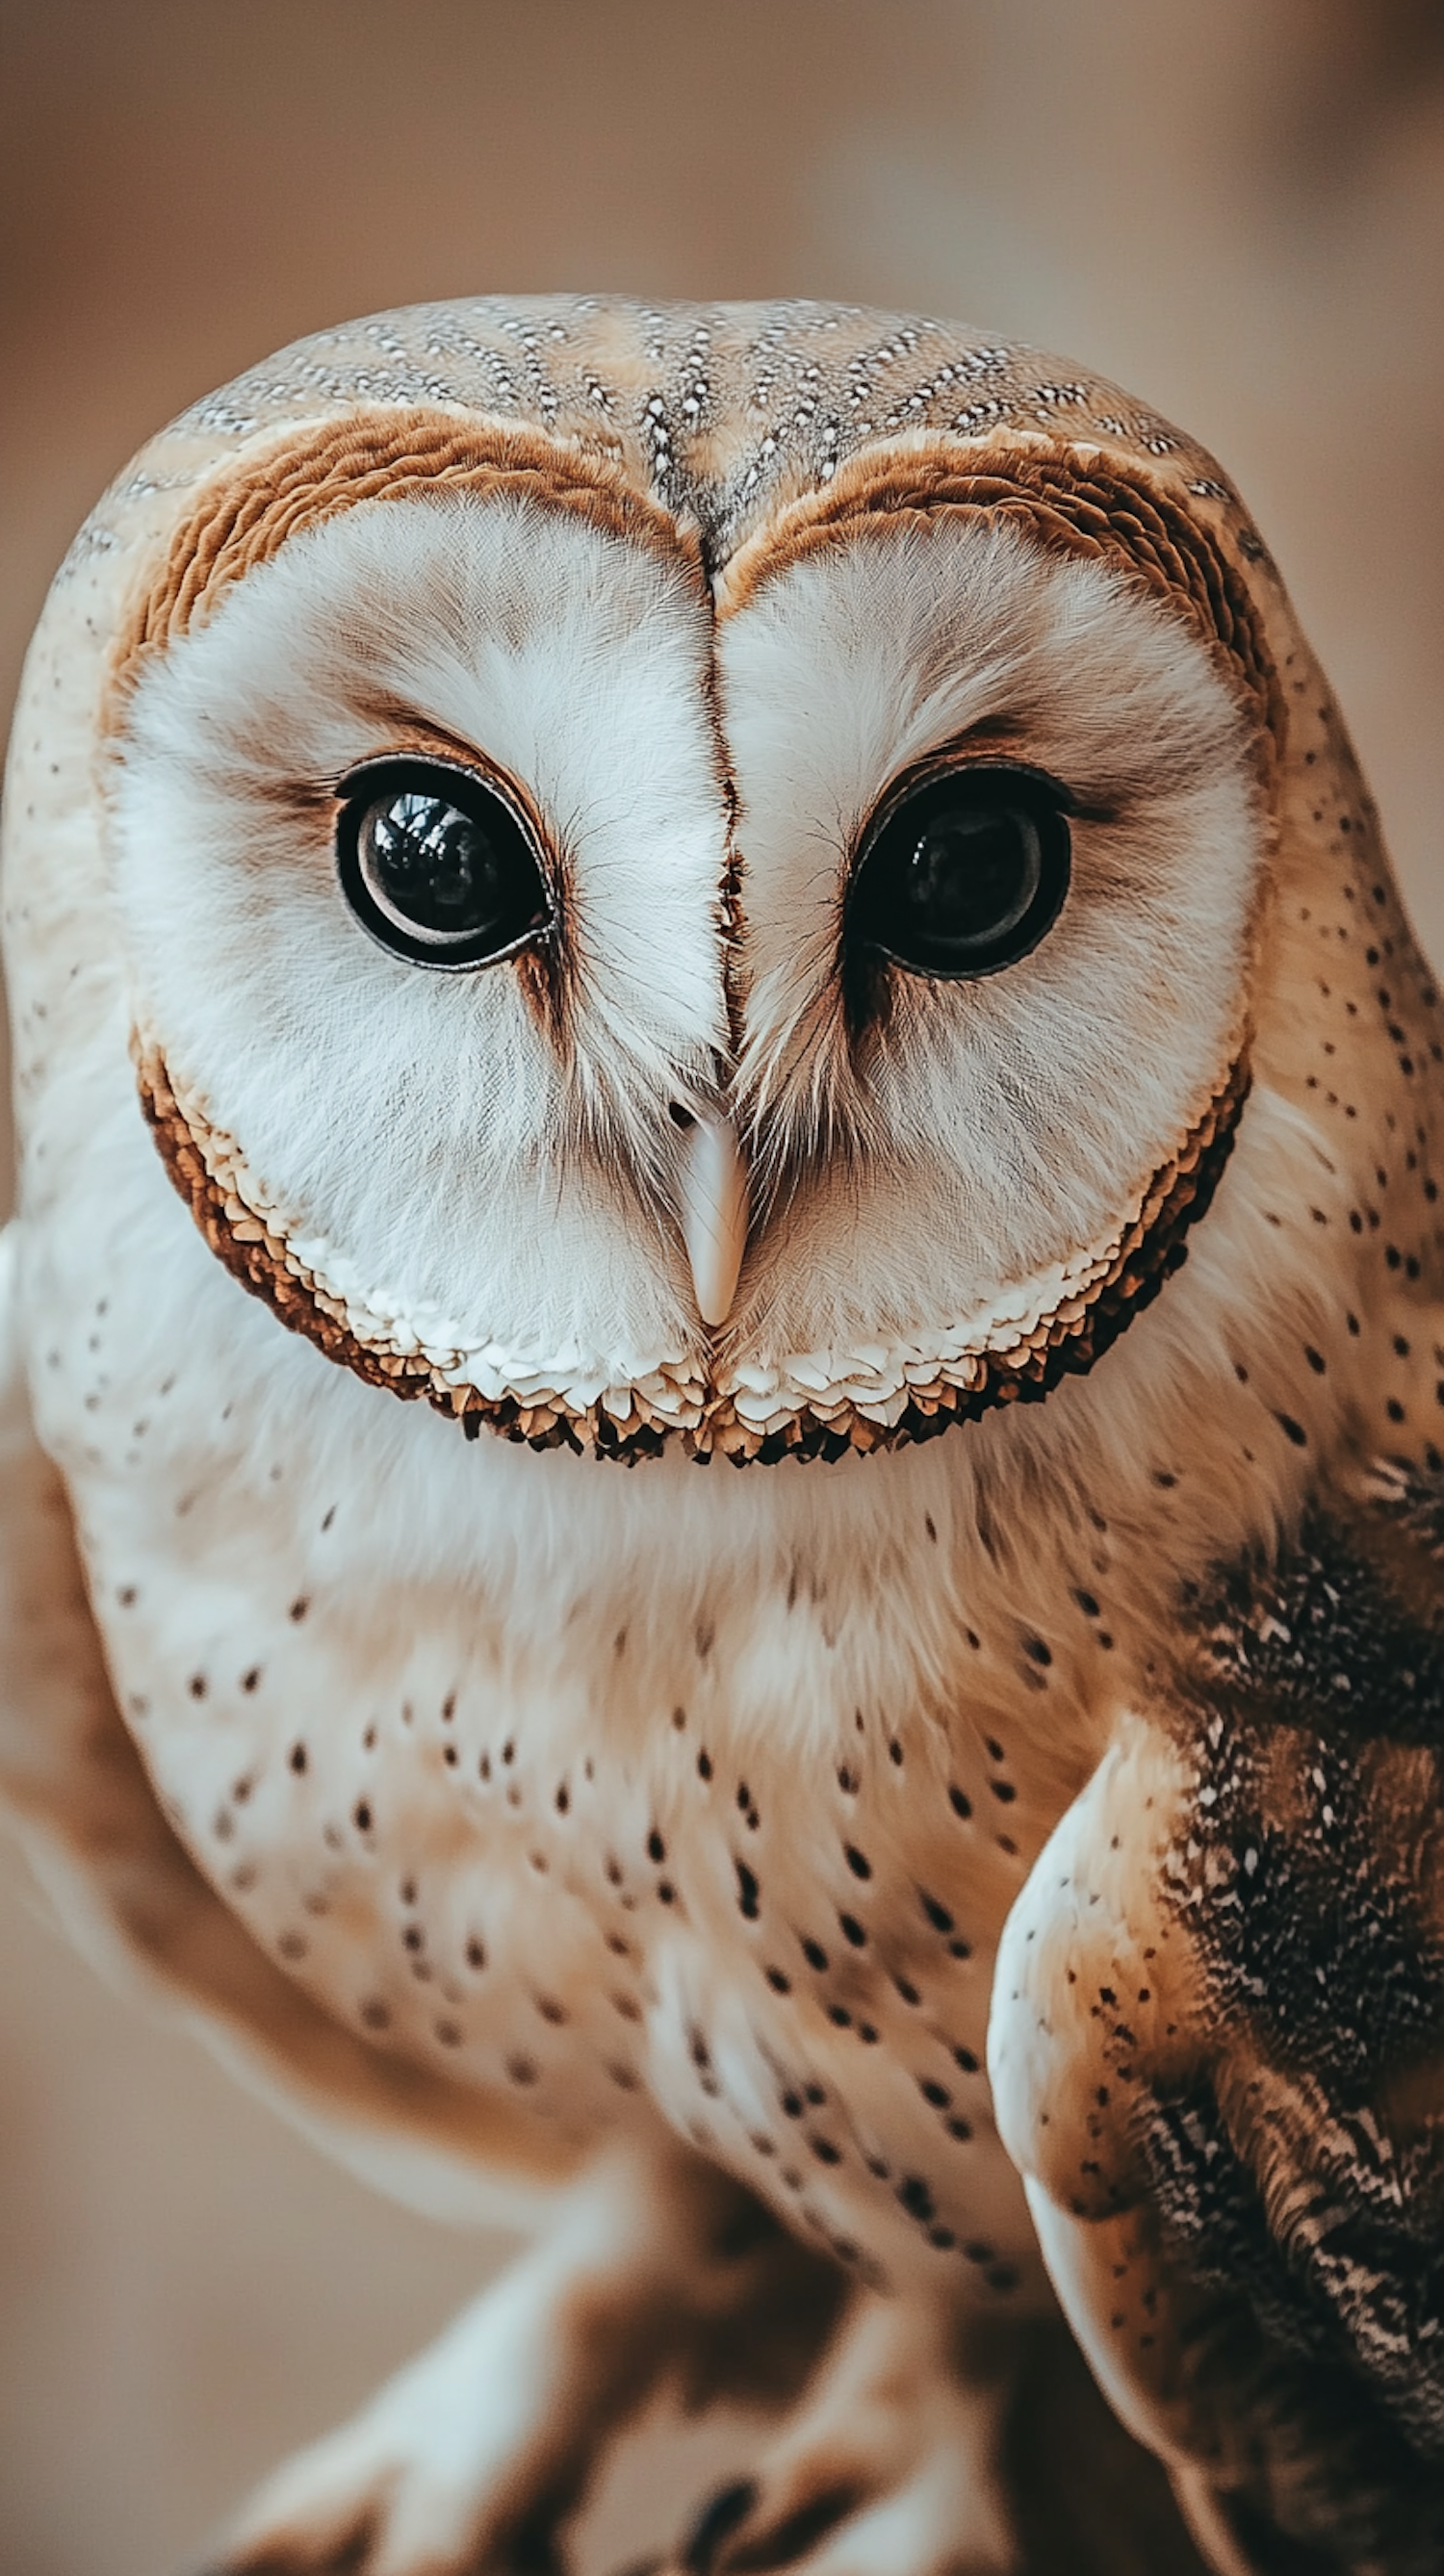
{"x": 438, "y": 864}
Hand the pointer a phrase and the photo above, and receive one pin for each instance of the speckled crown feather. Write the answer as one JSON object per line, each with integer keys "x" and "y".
{"x": 727, "y": 414}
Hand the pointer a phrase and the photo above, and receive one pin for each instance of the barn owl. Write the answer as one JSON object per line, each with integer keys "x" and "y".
{"x": 722, "y": 1361}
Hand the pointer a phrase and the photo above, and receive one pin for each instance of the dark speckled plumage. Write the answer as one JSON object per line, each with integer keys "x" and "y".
{"x": 1309, "y": 1886}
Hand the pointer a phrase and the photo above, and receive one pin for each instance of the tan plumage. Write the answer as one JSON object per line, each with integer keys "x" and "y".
{"x": 513, "y": 1812}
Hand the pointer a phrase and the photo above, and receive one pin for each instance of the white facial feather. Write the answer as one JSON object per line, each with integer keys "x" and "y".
{"x": 416, "y": 1133}
{"x": 998, "y": 1125}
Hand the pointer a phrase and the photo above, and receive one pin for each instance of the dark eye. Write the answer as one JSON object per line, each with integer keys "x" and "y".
{"x": 438, "y": 865}
{"x": 962, "y": 872}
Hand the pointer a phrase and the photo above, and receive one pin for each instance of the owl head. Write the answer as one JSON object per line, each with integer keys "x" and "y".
{"x": 716, "y": 879}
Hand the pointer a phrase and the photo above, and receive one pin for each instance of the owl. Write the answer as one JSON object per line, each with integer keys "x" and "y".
{"x": 722, "y": 1406}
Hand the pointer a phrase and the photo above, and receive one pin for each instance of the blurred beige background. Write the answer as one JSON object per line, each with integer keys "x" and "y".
{"x": 1236, "y": 206}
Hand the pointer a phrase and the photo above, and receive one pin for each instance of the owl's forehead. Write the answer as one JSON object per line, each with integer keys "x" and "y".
{"x": 727, "y": 442}
{"x": 725, "y": 410}
{"x": 719, "y": 417}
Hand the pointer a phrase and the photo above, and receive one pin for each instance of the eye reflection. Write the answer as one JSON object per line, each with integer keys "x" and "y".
{"x": 438, "y": 865}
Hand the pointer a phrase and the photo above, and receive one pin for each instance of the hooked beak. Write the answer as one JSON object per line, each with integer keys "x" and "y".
{"x": 713, "y": 1207}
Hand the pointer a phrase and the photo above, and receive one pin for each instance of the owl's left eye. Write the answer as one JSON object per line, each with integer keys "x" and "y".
{"x": 438, "y": 864}
{"x": 962, "y": 870}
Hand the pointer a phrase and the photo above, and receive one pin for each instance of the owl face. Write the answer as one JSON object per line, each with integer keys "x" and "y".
{"x": 772, "y": 998}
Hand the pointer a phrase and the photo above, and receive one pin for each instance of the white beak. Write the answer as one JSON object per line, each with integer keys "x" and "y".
{"x": 713, "y": 1209}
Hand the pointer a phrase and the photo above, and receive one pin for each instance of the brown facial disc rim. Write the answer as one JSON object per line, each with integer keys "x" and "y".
{"x": 1154, "y": 1247}
{"x": 242, "y": 517}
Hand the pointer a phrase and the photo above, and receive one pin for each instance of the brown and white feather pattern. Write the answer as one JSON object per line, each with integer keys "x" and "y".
{"x": 586, "y": 1812}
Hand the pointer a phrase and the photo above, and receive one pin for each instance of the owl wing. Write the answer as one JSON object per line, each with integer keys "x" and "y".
{"x": 125, "y": 1887}
{"x": 1217, "y": 2048}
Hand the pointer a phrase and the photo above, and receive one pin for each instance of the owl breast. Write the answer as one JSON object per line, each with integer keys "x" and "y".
{"x": 621, "y": 1844}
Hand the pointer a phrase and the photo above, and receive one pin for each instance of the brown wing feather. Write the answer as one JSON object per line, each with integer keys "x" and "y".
{"x": 1218, "y": 2048}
